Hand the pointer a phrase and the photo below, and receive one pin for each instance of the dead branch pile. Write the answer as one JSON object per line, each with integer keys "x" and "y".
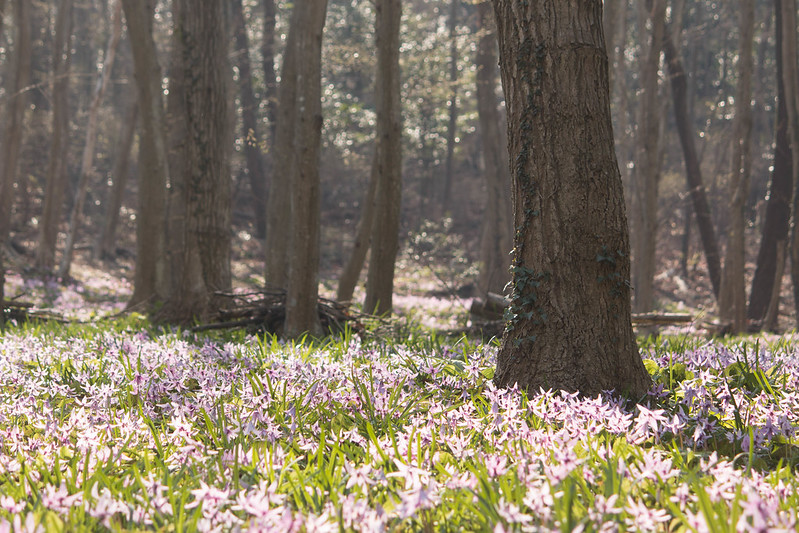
{"x": 20, "y": 312}
{"x": 265, "y": 312}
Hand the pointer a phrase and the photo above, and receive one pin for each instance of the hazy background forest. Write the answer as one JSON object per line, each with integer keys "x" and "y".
{"x": 70, "y": 117}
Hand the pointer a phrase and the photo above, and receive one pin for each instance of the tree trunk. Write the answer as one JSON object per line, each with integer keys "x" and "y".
{"x": 302, "y": 294}
{"x": 363, "y": 234}
{"x": 696, "y": 187}
{"x": 791, "y": 82}
{"x": 732, "y": 300}
{"x": 105, "y": 248}
{"x": 204, "y": 162}
{"x": 453, "y": 106}
{"x": 249, "y": 122}
{"x": 59, "y": 147}
{"x": 279, "y": 208}
{"x": 150, "y": 283}
{"x": 496, "y": 240}
{"x": 13, "y": 130}
{"x": 570, "y": 319}
{"x": 87, "y": 161}
{"x": 778, "y": 209}
{"x": 385, "y": 232}
{"x": 268, "y": 58}
{"x": 647, "y": 170}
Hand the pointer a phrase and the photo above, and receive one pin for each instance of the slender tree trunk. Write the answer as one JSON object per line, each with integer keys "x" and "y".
{"x": 279, "y": 207}
{"x": 250, "y": 130}
{"x": 569, "y": 325}
{"x": 791, "y": 82}
{"x": 87, "y": 161}
{"x": 732, "y": 300}
{"x": 205, "y": 161}
{"x": 151, "y": 284}
{"x": 363, "y": 234}
{"x": 778, "y": 209}
{"x": 105, "y": 248}
{"x": 385, "y": 232}
{"x": 12, "y": 133}
{"x": 59, "y": 147}
{"x": 647, "y": 171}
{"x": 302, "y": 294}
{"x": 704, "y": 218}
{"x": 446, "y": 200}
{"x": 496, "y": 240}
{"x": 268, "y": 58}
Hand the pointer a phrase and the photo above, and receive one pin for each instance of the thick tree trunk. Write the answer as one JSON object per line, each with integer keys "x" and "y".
{"x": 249, "y": 122}
{"x": 446, "y": 195}
{"x": 778, "y": 209}
{"x": 150, "y": 283}
{"x": 696, "y": 187}
{"x": 87, "y": 161}
{"x": 570, "y": 322}
{"x": 385, "y": 232}
{"x": 732, "y": 300}
{"x": 302, "y": 294}
{"x": 646, "y": 183}
{"x": 363, "y": 235}
{"x": 106, "y": 245}
{"x": 59, "y": 147}
{"x": 204, "y": 162}
{"x": 496, "y": 241}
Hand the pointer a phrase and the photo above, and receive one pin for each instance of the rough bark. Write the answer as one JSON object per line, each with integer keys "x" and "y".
{"x": 696, "y": 187}
{"x": 87, "y": 160}
{"x": 385, "y": 231}
{"x": 496, "y": 240}
{"x": 452, "y": 124}
{"x": 302, "y": 293}
{"x": 791, "y": 82}
{"x": 105, "y": 247}
{"x": 569, "y": 323}
{"x": 646, "y": 183}
{"x": 363, "y": 238}
{"x": 732, "y": 300}
{"x": 59, "y": 147}
{"x": 778, "y": 209}
{"x": 205, "y": 161}
{"x": 150, "y": 283}
{"x": 250, "y": 132}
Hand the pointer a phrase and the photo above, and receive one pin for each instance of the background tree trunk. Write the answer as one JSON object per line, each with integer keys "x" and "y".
{"x": 302, "y": 294}
{"x": 268, "y": 59}
{"x": 452, "y": 125}
{"x": 385, "y": 232}
{"x": 570, "y": 320}
{"x": 150, "y": 283}
{"x": 256, "y": 172}
{"x": 106, "y": 245}
{"x": 496, "y": 241}
{"x": 363, "y": 235}
{"x": 12, "y": 132}
{"x": 791, "y": 81}
{"x": 693, "y": 172}
{"x": 646, "y": 182}
{"x": 59, "y": 148}
{"x": 766, "y": 284}
{"x": 732, "y": 300}
{"x": 87, "y": 161}
{"x": 205, "y": 162}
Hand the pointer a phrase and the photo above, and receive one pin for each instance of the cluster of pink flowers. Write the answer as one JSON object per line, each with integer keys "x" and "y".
{"x": 137, "y": 431}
